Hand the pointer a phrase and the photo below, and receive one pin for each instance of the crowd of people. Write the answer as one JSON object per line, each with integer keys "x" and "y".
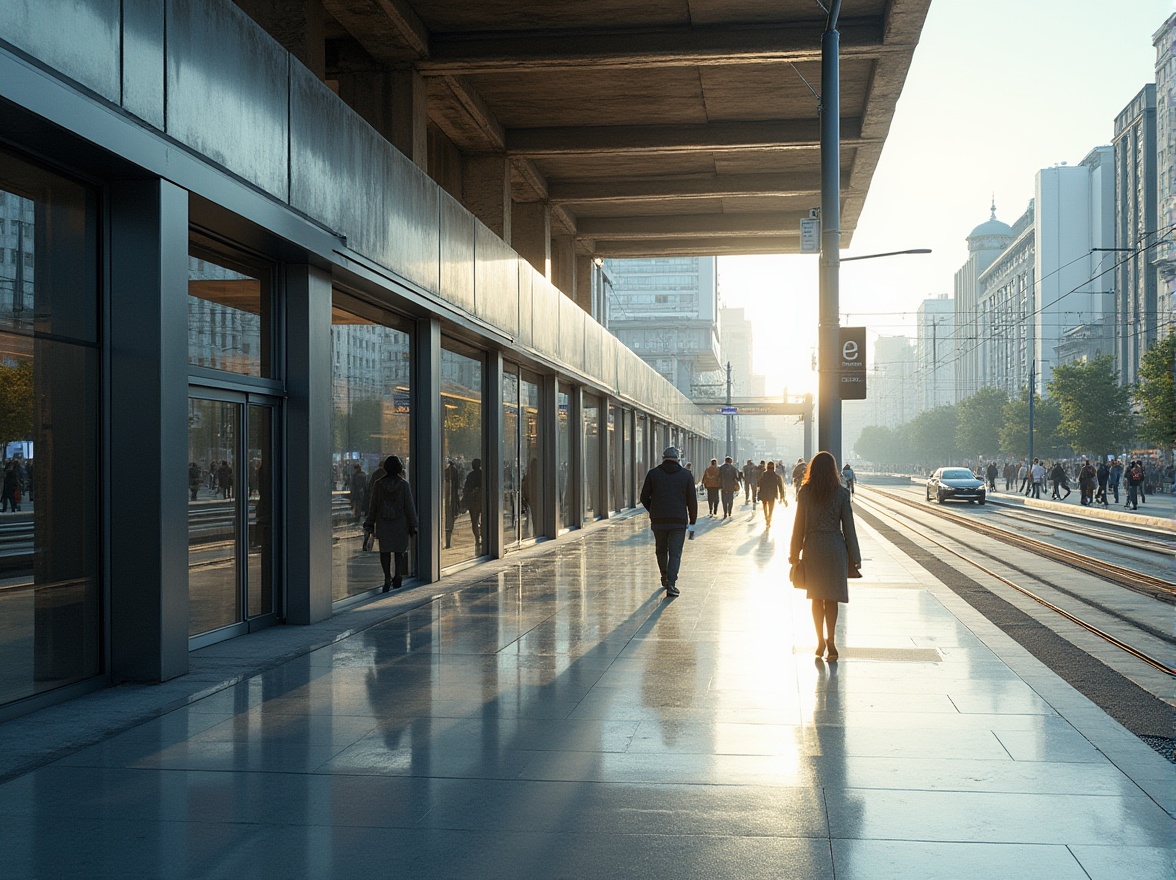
{"x": 1099, "y": 482}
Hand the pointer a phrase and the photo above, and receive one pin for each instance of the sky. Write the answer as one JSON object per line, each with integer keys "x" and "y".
{"x": 997, "y": 90}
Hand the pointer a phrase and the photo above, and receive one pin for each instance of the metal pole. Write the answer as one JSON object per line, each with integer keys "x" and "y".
{"x": 730, "y": 418}
{"x": 828, "y": 332}
{"x": 1032, "y": 394}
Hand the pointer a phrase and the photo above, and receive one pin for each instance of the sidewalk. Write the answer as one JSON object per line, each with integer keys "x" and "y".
{"x": 553, "y": 716}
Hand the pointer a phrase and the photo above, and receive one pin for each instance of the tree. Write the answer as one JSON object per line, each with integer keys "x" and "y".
{"x": 1096, "y": 410}
{"x": 16, "y": 403}
{"x": 878, "y": 444}
{"x": 1014, "y": 429}
{"x": 1155, "y": 394}
{"x": 931, "y": 436}
{"x": 978, "y": 421}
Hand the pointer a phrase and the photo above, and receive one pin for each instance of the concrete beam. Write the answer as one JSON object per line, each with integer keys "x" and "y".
{"x": 540, "y": 52}
{"x": 530, "y": 235}
{"x": 394, "y": 102}
{"x": 388, "y": 30}
{"x": 485, "y": 192}
{"x": 653, "y": 189}
{"x": 297, "y": 24}
{"x": 700, "y": 246}
{"x": 690, "y": 225}
{"x": 790, "y": 134}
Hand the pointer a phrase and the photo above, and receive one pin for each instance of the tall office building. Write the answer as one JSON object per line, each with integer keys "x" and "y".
{"x": 1137, "y": 319}
{"x": 935, "y": 354}
{"x": 1164, "y": 254}
{"x": 985, "y": 243}
{"x": 666, "y": 309}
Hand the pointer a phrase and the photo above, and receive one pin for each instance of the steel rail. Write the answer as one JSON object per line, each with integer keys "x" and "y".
{"x": 1090, "y": 627}
{"x": 1146, "y": 584}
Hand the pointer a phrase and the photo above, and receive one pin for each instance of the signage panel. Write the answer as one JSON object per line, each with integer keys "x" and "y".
{"x": 852, "y": 355}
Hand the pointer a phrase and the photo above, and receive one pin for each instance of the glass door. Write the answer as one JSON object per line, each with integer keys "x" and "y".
{"x": 511, "y": 468}
{"x": 231, "y": 504}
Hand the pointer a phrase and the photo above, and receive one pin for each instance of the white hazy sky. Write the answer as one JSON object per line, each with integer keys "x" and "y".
{"x": 998, "y": 90}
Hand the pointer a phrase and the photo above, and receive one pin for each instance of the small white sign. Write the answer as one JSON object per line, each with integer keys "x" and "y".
{"x": 810, "y": 236}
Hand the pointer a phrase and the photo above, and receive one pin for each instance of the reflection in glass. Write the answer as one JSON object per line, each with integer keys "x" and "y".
{"x": 626, "y": 459}
{"x": 463, "y": 502}
{"x": 591, "y": 457}
{"x": 50, "y": 601}
{"x": 614, "y": 480}
{"x": 229, "y": 307}
{"x": 532, "y": 483}
{"x": 511, "y": 453}
{"x": 214, "y": 428}
{"x": 370, "y": 389}
{"x": 259, "y": 510}
{"x": 562, "y": 457}
{"x": 641, "y": 467}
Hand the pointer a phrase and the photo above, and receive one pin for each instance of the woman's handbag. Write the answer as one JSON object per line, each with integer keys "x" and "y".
{"x": 796, "y": 574}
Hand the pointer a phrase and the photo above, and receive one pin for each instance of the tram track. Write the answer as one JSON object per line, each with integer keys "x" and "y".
{"x": 1038, "y": 547}
{"x": 1148, "y": 585}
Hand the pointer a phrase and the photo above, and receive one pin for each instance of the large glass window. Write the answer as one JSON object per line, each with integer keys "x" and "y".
{"x": 592, "y": 505}
{"x": 230, "y": 307}
{"x": 640, "y": 443}
{"x": 614, "y": 449}
{"x": 371, "y": 419}
{"x": 511, "y": 453}
{"x": 463, "y": 444}
{"x": 563, "y": 457}
{"x": 50, "y": 602}
{"x": 532, "y": 484}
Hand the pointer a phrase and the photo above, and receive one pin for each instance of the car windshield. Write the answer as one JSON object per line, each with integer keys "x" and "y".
{"x": 958, "y": 474}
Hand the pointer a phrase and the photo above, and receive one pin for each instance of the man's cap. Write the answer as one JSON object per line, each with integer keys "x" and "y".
{"x": 671, "y": 453}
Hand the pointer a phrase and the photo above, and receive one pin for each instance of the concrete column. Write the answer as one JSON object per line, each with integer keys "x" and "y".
{"x": 584, "y": 286}
{"x": 296, "y": 24}
{"x": 148, "y": 349}
{"x": 427, "y": 467}
{"x": 394, "y": 103}
{"x": 485, "y": 192}
{"x": 576, "y": 467}
{"x": 531, "y": 234}
{"x": 563, "y": 264}
{"x": 308, "y": 445}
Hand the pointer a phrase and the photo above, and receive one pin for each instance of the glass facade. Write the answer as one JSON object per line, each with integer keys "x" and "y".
{"x": 463, "y": 446}
{"x": 50, "y": 588}
{"x": 591, "y": 469}
{"x": 532, "y": 484}
{"x": 640, "y": 457}
{"x": 371, "y": 419}
{"x": 230, "y": 304}
{"x": 563, "y": 456}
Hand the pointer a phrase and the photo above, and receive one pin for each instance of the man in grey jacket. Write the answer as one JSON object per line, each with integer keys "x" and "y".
{"x": 668, "y": 494}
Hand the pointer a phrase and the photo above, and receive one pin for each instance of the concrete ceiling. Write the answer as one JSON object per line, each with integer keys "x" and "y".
{"x": 656, "y": 127}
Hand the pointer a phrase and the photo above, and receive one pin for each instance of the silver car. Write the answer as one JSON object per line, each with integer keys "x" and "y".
{"x": 952, "y": 483}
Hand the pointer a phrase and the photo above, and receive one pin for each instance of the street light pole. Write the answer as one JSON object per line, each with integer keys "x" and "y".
{"x": 828, "y": 327}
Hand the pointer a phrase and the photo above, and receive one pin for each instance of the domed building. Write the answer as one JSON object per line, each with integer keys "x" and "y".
{"x": 985, "y": 243}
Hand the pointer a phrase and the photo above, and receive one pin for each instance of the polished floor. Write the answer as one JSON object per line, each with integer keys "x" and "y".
{"x": 557, "y": 718}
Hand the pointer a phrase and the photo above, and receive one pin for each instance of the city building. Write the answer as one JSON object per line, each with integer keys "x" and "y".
{"x": 1047, "y": 297}
{"x": 935, "y": 353}
{"x": 666, "y": 310}
{"x": 1164, "y": 254}
{"x": 985, "y": 243}
{"x": 1137, "y": 312}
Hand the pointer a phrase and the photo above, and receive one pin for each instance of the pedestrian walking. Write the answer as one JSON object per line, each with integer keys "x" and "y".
{"x": 392, "y": 519}
{"x": 1037, "y": 475}
{"x": 848, "y": 477}
{"x": 711, "y": 481}
{"x": 1115, "y": 477}
{"x": 668, "y": 495}
{"x": 1087, "y": 481}
{"x": 1102, "y": 474}
{"x": 798, "y": 472}
{"x": 728, "y": 484}
{"x": 471, "y": 500}
{"x": 824, "y": 540}
{"x": 769, "y": 488}
{"x": 1134, "y": 479}
{"x": 749, "y": 482}
{"x": 1023, "y": 478}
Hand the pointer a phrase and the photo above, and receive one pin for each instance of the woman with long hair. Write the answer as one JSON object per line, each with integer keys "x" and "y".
{"x": 823, "y": 535}
{"x": 392, "y": 519}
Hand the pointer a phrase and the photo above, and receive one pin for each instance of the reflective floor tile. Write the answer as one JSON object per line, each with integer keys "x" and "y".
{"x": 921, "y": 860}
